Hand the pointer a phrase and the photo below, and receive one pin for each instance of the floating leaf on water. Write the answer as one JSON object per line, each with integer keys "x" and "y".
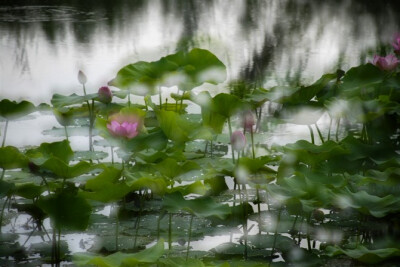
{"x": 150, "y": 255}
{"x": 365, "y": 255}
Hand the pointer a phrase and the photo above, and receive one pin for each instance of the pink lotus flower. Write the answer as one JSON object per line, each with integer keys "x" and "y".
{"x": 388, "y": 63}
{"x": 238, "y": 141}
{"x": 105, "y": 95}
{"x": 124, "y": 125}
{"x": 396, "y": 43}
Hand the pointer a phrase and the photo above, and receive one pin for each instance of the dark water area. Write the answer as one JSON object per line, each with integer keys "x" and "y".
{"x": 43, "y": 44}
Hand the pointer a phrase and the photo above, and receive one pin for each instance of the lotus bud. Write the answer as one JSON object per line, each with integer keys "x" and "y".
{"x": 248, "y": 121}
{"x": 387, "y": 63}
{"x": 105, "y": 95}
{"x": 82, "y": 77}
{"x": 238, "y": 141}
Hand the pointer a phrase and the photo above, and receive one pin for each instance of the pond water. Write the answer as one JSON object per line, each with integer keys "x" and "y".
{"x": 43, "y": 45}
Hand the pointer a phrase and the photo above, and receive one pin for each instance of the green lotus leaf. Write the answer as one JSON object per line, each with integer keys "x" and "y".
{"x": 185, "y": 70}
{"x": 196, "y": 187}
{"x": 11, "y": 110}
{"x": 365, "y": 255}
{"x": 181, "y": 262}
{"x": 138, "y": 180}
{"x": 210, "y": 117}
{"x": 369, "y": 204}
{"x": 170, "y": 168}
{"x": 107, "y": 186}
{"x": 226, "y": 105}
{"x": 362, "y": 81}
{"x": 29, "y": 190}
{"x": 282, "y": 243}
{"x": 60, "y": 150}
{"x": 11, "y": 158}
{"x": 6, "y": 188}
{"x": 175, "y": 126}
{"x": 201, "y": 207}
{"x": 67, "y": 210}
{"x": 59, "y": 101}
{"x": 119, "y": 259}
{"x": 62, "y": 170}
{"x": 304, "y": 94}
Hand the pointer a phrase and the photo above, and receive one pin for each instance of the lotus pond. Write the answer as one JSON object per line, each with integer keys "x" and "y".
{"x": 155, "y": 184}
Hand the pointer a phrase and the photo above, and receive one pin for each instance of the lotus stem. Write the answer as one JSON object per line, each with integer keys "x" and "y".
{"x": 3, "y": 172}
{"x": 116, "y": 230}
{"x": 170, "y": 232}
{"x": 319, "y": 133}
{"x": 276, "y": 233}
{"x": 245, "y": 220}
{"x": 330, "y": 127}
{"x": 30, "y": 235}
{"x": 53, "y": 248}
{"x": 190, "y": 236}
{"x": 258, "y": 209}
{"x": 159, "y": 94}
{"x": 2, "y": 212}
{"x": 5, "y": 134}
{"x": 312, "y": 134}
{"x": 230, "y": 136}
{"x": 66, "y": 132}
{"x": 59, "y": 247}
{"x": 294, "y": 222}
{"x": 158, "y": 226}
{"x": 337, "y": 130}
{"x": 308, "y": 232}
{"x": 176, "y": 101}
{"x": 252, "y": 143}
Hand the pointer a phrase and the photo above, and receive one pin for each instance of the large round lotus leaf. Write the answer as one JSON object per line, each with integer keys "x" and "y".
{"x": 60, "y": 150}
{"x": 185, "y": 70}
{"x": 12, "y": 110}
{"x": 361, "y": 79}
{"x": 67, "y": 210}
{"x": 66, "y": 100}
{"x": 11, "y": 158}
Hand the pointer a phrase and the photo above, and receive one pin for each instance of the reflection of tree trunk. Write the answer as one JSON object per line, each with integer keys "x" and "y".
{"x": 255, "y": 71}
{"x": 189, "y": 11}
